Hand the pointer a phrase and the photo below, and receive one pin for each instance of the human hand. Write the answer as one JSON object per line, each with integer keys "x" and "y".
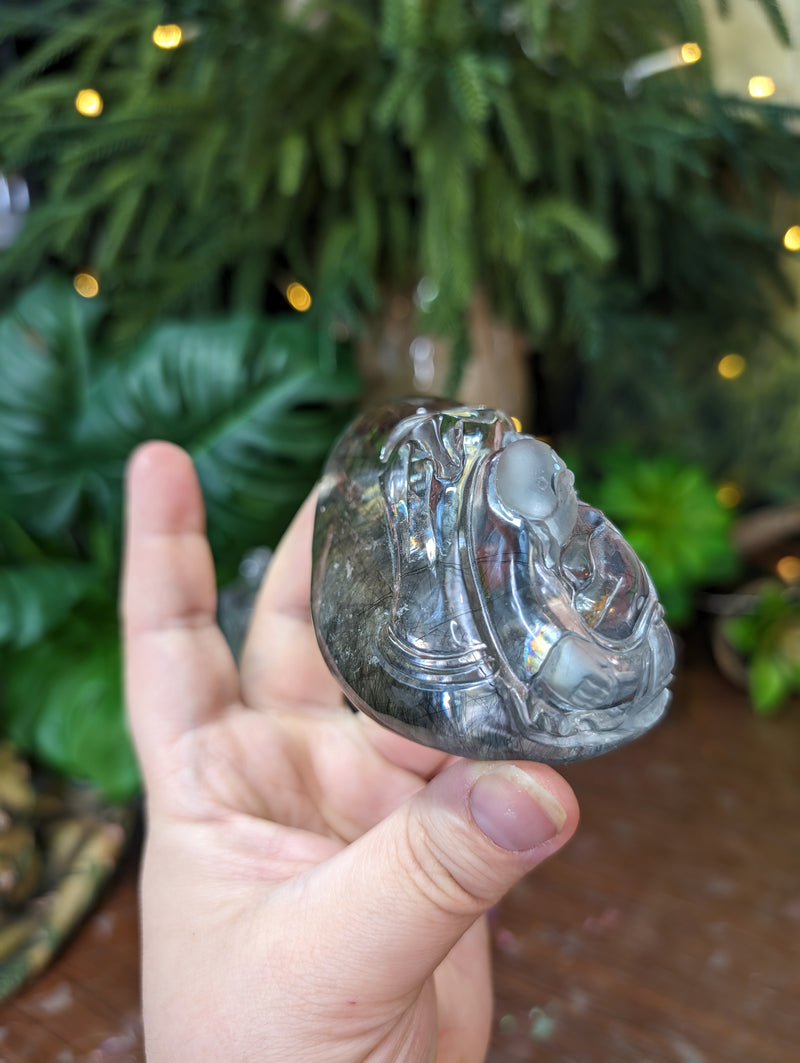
{"x": 313, "y": 886}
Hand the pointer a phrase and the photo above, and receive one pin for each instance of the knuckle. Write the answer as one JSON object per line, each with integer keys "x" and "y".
{"x": 448, "y": 880}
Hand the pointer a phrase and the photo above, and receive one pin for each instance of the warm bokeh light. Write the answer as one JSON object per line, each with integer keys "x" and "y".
{"x": 298, "y": 296}
{"x": 86, "y": 284}
{"x": 729, "y": 495}
{"x": 761, "y": 87}
{"x": 169, "y": 36}
{"x": 731, "y": 366}
{"x": 788, "y": 568}
{"x": 691, "y": 52}
{"x": 89, "y": 103}
{"x": 791, "y": 238}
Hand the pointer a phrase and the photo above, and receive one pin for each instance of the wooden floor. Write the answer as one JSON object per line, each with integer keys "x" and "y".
{"x": 669, "y": 930}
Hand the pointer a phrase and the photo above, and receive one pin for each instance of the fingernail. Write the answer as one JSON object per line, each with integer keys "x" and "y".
{"x": 514, "y": 810}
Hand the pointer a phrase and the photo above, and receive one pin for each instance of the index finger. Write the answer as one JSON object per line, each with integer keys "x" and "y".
{"x": 179, "y": 672}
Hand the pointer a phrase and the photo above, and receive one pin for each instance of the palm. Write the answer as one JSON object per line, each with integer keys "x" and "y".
{"x": 318, "y": 772}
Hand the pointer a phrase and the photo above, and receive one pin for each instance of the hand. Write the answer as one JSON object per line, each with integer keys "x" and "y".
{"x": 313, "y": 886}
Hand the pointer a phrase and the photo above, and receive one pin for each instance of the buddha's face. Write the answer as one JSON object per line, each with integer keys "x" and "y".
{"x": 532, "y": 481}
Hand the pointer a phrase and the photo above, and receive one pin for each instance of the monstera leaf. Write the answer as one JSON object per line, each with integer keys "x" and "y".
{"x": 44, "y": 364}
{"x": 254, "y": 402}
{"x": 36, "y": 598}
{"x": 257, "y": 402}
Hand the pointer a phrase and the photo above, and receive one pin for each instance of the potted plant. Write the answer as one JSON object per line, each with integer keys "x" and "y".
{"x": 765, "y": 636}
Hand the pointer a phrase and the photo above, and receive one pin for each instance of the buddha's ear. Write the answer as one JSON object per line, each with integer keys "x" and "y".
{"x": 524, "y": 478}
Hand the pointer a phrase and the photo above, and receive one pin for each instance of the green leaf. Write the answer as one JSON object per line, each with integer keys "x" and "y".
{"x": 767, "y": 684}
{"x": 257, "y": 404}
{"x": 520, "y": 140}
{"x": 63, "y": 705}
{"x": 291, "y": 161}
{"x": 742, "y": 632}
{"x": 468, "y": 87}
{"x": 767, "y": 637}
{"x": 36, "y": 598}
{"x": 774, "y": 14}
{"x": 567, "y": 234}
{"x": 43, "y": 377}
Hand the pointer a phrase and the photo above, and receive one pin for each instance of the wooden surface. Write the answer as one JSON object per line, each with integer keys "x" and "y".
{"x": 669, "y": 930}
{"x": 85, "y": 1009}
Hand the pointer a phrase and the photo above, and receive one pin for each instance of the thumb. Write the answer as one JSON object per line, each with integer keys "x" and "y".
{"x": 399, "y": 898}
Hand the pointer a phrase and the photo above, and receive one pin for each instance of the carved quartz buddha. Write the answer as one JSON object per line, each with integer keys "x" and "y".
{"x": 465, "y": 598}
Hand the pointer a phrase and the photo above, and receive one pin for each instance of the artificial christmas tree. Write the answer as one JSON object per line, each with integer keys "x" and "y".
{"x": 573, "y": 161}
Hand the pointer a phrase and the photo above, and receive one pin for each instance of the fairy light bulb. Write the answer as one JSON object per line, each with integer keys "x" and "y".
{"x": 89, "y": 103}
{"x": 761, "y": 87}
{"x": 298, "y": 297}
{"x": 791, "y": 238}
{"x": 676, "y": 55}
{"x": 86, "y": 285}
{"x": 731, "y": 366}
{"x": 168, "y": 36}
{"x": 788, "y": 568}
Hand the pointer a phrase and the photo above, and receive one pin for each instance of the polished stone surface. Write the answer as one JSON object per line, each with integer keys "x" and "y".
{"x": 466, "y": 599}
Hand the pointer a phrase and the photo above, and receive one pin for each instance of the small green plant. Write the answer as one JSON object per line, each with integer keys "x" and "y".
{"x": 768, "y": 638}
{"x": 256, "y": 402}
{"x": 670, "y": 514}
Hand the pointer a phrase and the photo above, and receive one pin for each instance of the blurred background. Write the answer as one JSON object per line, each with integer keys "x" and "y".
{"x": 232, "y": 224}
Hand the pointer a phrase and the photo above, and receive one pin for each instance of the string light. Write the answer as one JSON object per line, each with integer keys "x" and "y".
{"x": 299, "y": 297}
{"x": 169, "y": 36}
{"x": 761, "y": 87}
{"x": 788, "y": 568}
{"x": 731, "y": 366}
{"x": 86, "y": 284}
{"x": 658, "y": 62}
{"x": 729, "y": 495}
{"x": 89, "y": 103}
{"x": 791, "y": 238}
